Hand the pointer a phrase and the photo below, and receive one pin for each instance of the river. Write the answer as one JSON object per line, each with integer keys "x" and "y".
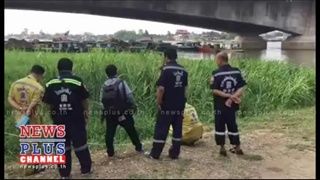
{"x": 273, "y": 52}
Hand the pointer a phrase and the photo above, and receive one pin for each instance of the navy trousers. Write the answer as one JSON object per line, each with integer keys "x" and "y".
{"x": 76, "y": 135}
{"x": 226, "y": 117}
{"x": 163, "y": 122}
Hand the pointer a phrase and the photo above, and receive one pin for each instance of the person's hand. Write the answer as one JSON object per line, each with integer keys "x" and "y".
{"x": 228, "y": 102}
{"x": 235, "y": 99}
{"x": 159, "y": 107}
{"x": 23, "y": 109}
{"x": 28, "y": 112}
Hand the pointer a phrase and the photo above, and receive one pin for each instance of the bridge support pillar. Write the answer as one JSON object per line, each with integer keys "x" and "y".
{"x": 306, "y": 41}
{"x": 299, "y": 42}
{"x": 248, "y": 42}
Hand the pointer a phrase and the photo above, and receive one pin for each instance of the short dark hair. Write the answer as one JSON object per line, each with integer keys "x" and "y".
{"x": 223, "y": 55}
{"x": 37, "y": 69}
{"x": 65, "y": 64}
{"x": 171, "y": 53}
{"x": 111, "y": 70}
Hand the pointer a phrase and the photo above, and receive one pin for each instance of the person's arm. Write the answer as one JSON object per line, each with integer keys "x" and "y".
{"x": 161, "y": 84}
{"x": 46, "y": 99}
{"x": 36, "y": 99}
{"x": 11, "y": 100}
{"x": 84, "y": 95}
{"x": 127, "y": 92}
{"x": 221, "y": 93}
{"x": 186, "y": 92}
{"x": 215, "y": 88}
{"x": 186, "y": 86}
{"x": 101, "y": 95}
{"x": 241, "y": 86}
{"x": 240, "y": 89}
{"x": 160, "y": 92}
{"x": 102, "y": 117}
{"x": 130, "y": 99}
{"x": 15, "y": 105}
{"x": 30, "y": 108}
{"x": 85, "y": 105}
{"x": 239, "y": 92}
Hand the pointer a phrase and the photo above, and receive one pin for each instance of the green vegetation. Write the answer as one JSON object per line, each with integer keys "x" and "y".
{"x": 271, "y": 86}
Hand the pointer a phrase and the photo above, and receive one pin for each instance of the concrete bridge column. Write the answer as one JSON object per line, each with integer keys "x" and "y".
{"x": 251, "y": 42}
{"x": 306, "y": 41}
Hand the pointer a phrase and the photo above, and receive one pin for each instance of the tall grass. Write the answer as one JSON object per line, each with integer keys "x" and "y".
{"x": 271, "y": 86}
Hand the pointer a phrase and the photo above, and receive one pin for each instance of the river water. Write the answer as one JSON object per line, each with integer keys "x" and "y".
{"x": 273, "y": 52}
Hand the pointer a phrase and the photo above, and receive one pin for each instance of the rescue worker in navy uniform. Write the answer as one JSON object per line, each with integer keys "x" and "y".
{"x": 68, "y": 100}
{"x": 171, "y": 99}
{"x": 227, "y": 84}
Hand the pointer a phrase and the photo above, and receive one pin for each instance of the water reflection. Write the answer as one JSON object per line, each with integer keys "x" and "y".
{"x": 272, "y": 53}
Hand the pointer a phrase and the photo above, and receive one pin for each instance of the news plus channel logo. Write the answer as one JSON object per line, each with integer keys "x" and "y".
{"x": 42, "y": 145}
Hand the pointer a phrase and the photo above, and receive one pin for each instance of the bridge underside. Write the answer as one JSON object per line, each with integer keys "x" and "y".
{"x": 160, "y": 12}
{"x": 87, "y": 7}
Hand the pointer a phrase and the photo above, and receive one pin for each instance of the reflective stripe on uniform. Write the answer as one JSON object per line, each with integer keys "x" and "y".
{"x": 67, "y": 80}
{"x": 158, "y": 141}
{"x": 233, "y": 133}
{"x": 176, "y": 139}
{"x": 173, "y": 67}
{"x": 73, "y": 81}
{"x": 220, "y": 133}
{"x": 53, "y": 81}
{"x": 81, "y": 148}
{"x": 226, "y": 73}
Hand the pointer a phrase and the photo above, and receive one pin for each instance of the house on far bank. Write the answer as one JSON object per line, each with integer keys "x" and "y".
{"x": 145, "y": 40}
{"x": 13, "y": 44}
{"x": 181, "y": 35}
{"x": 43, "y": 44}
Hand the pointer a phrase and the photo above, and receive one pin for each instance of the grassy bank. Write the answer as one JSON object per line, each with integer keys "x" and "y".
{"x": 271, "y": 86}
{"x": 288, "y": 143}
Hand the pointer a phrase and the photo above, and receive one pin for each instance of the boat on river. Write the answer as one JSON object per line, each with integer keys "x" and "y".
{"x": 188, "y": 46}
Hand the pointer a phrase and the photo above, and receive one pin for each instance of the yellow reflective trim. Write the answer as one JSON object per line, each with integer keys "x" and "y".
{"x": 53, "y": 81}
{"x": 67, "y": 80}
{"x": 73, "y": 81}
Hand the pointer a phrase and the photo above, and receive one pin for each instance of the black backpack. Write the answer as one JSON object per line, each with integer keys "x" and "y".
{"x": 112, "y": 98}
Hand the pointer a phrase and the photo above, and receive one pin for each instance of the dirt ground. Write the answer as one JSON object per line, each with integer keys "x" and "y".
{"x": 271, "y": 151}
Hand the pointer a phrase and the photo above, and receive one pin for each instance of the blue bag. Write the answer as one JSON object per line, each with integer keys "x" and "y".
{"x": 23, "y": 121}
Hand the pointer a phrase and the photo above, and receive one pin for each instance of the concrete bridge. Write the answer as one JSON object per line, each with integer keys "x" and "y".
{"x": 247, "y": 18}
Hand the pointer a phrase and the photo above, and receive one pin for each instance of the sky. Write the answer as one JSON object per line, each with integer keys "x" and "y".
{"x": 57, "y": 22}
